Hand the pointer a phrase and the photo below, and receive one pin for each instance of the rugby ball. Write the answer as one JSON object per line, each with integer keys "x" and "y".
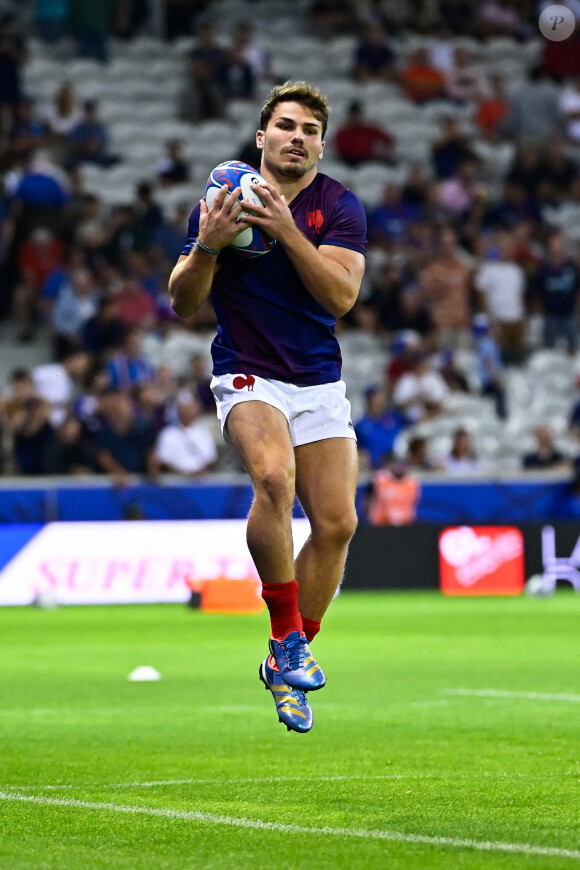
{"x": 250, "y": 242}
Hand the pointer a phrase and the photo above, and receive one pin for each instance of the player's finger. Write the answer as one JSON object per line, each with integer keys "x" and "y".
{"x": 262, "y": 189}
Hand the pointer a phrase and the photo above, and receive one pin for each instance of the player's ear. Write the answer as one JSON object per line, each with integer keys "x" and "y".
{"x": 260, "y": 139}
{"x": 321, "y": 152}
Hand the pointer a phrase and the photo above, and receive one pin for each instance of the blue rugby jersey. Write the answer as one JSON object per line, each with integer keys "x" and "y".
{"x": 268, "y": 322}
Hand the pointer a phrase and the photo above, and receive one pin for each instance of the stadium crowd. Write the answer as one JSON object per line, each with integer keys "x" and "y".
{"x": 455, "y": 264}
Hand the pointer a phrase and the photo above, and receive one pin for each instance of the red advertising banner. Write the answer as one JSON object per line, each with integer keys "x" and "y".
{"x": 481, "y": 560}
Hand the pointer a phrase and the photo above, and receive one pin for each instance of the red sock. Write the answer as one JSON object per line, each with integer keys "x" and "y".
{"x": 311, "y": 627}
{"x": 282, "y": 602}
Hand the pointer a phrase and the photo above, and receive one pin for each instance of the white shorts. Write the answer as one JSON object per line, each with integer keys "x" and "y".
{"x": 313, "y": 413}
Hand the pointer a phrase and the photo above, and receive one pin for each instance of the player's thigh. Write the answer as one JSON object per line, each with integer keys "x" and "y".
{"x": 259, "y": 433}
{"x": 326, "y": 480}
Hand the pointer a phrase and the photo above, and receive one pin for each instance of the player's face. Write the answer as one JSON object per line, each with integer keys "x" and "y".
{"x": 292, "y": 141}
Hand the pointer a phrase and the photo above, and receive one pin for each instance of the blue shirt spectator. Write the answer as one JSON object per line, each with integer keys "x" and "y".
{"x": 377, "y": 429}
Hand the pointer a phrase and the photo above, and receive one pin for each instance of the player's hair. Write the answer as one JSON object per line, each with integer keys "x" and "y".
{"x": 297, "y": 92}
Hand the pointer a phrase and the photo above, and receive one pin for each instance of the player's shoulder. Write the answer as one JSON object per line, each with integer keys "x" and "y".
{"x": 337, "y": 195}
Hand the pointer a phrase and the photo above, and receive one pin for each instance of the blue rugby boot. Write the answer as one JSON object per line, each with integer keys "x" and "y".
{"x": 291, "y": 705}
{"x": 296, "y": 663}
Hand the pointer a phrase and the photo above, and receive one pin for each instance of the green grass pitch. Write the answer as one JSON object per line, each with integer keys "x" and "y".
{"x": 448, "y": 736}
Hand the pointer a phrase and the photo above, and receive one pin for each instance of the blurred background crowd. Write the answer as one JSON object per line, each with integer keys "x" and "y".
{"x": 456, "y": 123}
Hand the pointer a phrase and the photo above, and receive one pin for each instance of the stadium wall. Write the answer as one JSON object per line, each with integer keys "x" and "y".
{"x": 442, "y": 501}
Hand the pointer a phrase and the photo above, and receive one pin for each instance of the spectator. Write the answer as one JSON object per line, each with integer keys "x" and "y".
{"x": 27, "y": 417}
{"x": 179, "y": 17}
{"x": 253, "y": 50}
{"x": 91, "y": 24}
{"x": 75, "y": 303}
{"x": 374, "y": 59}
{"x": 250, "y": 153}
{"x": 514, "y": 209}
{"x": 378, "y": 428}
{"x": 358, "y": 140}
{"x": 526, "y": 169}
{"x": 330, "y": 18}
{"x": 150, "y": 404}
{"x": 570, "y": 108}
{"x": 136, "y": 307}
{"x": 52, "y": 18}
{"x": 103, "y": 331}
{"x": 420, "y": 393}
{"x": 461, "y": 459}
{"x": 557, "y": 286}
{"x": 88, "y": 141}
{"x": 491, "y": 110}
{"x": 417, "y": 189}
{"x": 389, "y": 221}
{"x": 126, "y": 231}
{"x": 561, "y": 60}
{"x": 465, "y": 81}
{"x": 409, "y": 312}
{"x": 457, "y": 16}
{"x": 501, "y": 283}
{"x": 61, "y": 115}
{"x": 461, "y": 192}
{"x": 450, "y": 148}
{"x": 38, "y": 256}
{"x": 128, "y": 367}
{"x": 202, "y": 98}
{"x": 451, "y": 372}
{"x": 394, "y": 495}
{"x": 148, "y": 214}
{"x": 559, "y": 172}
{"x": 28, "y": 132}
{"x": 198, "y": 382}
{"x": 187, "y": 446}
{"x": 41, "y": 196}
{"x": 13, "y": 57}
{"x": 499, "y": 18}
{"x": 421, "y": 80}
{"x": 124, "y": 445}
{"x": 402, "y": 355}
{"x": 168, "y": 236}
{"x": 58, "y": 383}
{"x": 172, "y": 169}
{"x": 446, "y": 284}
{"x": 131, "y": 17}
{"x": 534, "y": 111}
{"x": 235, "y": 76}
{"x": 441, "y": 47}
{"x": 73, "y": 259}
{"x": 417, "y": 457}
{"x": 70, "y": 450}
{"x": 545, "y": 456}
{"x": 490, "y": 369}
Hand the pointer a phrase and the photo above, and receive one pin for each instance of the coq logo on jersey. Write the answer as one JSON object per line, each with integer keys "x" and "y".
{"x": 315, "y": 219}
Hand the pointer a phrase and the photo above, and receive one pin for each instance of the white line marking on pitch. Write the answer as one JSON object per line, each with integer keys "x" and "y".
{"x": 527, "y": 696}
{"x": 260, "y": 825}
{"x": 233, "y": 781}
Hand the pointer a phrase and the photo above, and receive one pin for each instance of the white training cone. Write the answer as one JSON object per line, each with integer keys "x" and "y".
{"x": 144, "y": 674}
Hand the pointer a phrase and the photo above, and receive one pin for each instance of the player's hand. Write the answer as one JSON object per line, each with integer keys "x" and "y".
{"x": 275, "y": 217}
{"x": 220, "y": 224}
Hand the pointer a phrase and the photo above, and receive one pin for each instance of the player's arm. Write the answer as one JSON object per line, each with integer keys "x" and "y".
{"x": 192, "y": 276}
{"x": 332, "y": 274}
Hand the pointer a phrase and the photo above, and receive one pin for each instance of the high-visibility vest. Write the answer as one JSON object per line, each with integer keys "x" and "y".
{"x": 394, "y": 500}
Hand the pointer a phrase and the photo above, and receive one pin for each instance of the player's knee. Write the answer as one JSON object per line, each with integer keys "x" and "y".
{"x": 276, "y": 486}
{"x": 337, "y": 528}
